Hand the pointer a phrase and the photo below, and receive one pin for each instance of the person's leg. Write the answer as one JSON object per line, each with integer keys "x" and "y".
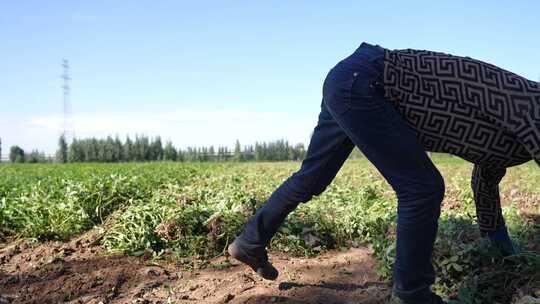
{"x": 376, "y": 127}
{"x": 328, "y": 149}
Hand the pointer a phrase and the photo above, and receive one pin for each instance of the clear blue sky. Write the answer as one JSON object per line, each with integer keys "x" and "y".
{"x": 208, "y": 72}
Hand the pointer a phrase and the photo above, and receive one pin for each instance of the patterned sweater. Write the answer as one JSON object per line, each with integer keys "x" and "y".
{"x": 469, "y": 108}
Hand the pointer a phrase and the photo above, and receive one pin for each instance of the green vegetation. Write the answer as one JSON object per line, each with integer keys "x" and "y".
{"x": 196, "y": 209}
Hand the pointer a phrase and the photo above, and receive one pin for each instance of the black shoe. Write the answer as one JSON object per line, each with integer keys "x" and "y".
{"x": 256, "y": 259}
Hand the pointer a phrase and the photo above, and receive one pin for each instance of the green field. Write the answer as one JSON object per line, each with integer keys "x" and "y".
{"x": 196, "y": 209}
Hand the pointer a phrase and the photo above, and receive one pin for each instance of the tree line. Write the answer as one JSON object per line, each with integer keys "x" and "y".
{"x": 18, "y": 155}
{"x": 143, "y": 148}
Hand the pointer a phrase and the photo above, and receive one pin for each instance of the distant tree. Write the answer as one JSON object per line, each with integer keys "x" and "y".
{"x": 226, "y": 153}
{"x": 156, "y": 149}
{"x": 76, "y": 151}
{"x": 108, "y": 150}
{"x": 117, "y": 150}
{"x": 92, "y": 150}
{"x": 291, "y": 154}
{"x": 181, "y": 156}
{"x": 194, "y": 154}
{"x": 190, "y": 154}
{"x": 16, "y": 154}
{"x": 300, "y": 152}
{"x": 43, "y": 158}
{"x": 249, "y": 153}
{"x": 34, "y": 157}
{"x": 220, "y": 155}
{"x": 258, "y": 151}
{"x": 266, "y": 151}
{"x": 212, "y": 153}
{"x": 145, "y": 148}
{"x": 275, "y": 151}
{"x": 128, "y": 150}
{"x": 237, "y": 152}
{"x": 200, "y": 155}
{"x": 101, "y": 150}
{"x": 0, "y": 150}
{"x": 204, "y": 154}
{"x": 141, "y": 148}
{"x": 84, "y": 146}
{"x": 62, "y": 152}
{"x": 169, "y": 152}
{"x": 136, "y": 149}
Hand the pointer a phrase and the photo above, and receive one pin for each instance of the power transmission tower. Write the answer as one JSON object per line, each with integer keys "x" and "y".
{"x": 67, "y": 128}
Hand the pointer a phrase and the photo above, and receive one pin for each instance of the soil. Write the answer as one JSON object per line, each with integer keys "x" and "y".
{"x": 80, "y": 271}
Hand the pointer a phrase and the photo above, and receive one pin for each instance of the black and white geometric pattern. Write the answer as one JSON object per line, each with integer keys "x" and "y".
{"x": 469, "y": 108}
{"x": 485, "y": 186}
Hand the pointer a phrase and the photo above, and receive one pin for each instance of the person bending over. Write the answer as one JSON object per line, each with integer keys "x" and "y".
{"x": 394, "y": 105}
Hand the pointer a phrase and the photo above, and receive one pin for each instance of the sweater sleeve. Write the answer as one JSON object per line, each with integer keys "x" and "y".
{"x": 485, "y": 186}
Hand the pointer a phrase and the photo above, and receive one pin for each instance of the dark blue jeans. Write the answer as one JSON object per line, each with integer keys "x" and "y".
{"x": 355, "y": 112}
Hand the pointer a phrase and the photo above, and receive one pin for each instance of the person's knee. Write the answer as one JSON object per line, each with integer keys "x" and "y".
{"x": 438, "y": 187}
{"x": 435, "y": 190}
{"x": 432, "y": 186}
{"x": 422, "y": 201}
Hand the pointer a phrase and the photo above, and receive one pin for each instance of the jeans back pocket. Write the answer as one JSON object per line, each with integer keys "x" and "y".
{"x": 363, "y": 92}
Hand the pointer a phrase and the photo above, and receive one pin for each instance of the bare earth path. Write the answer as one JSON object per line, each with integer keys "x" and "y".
{"x": 80, "y": 272}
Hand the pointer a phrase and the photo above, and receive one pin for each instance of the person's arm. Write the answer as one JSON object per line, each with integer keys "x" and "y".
{"x": 485, "y": 185}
